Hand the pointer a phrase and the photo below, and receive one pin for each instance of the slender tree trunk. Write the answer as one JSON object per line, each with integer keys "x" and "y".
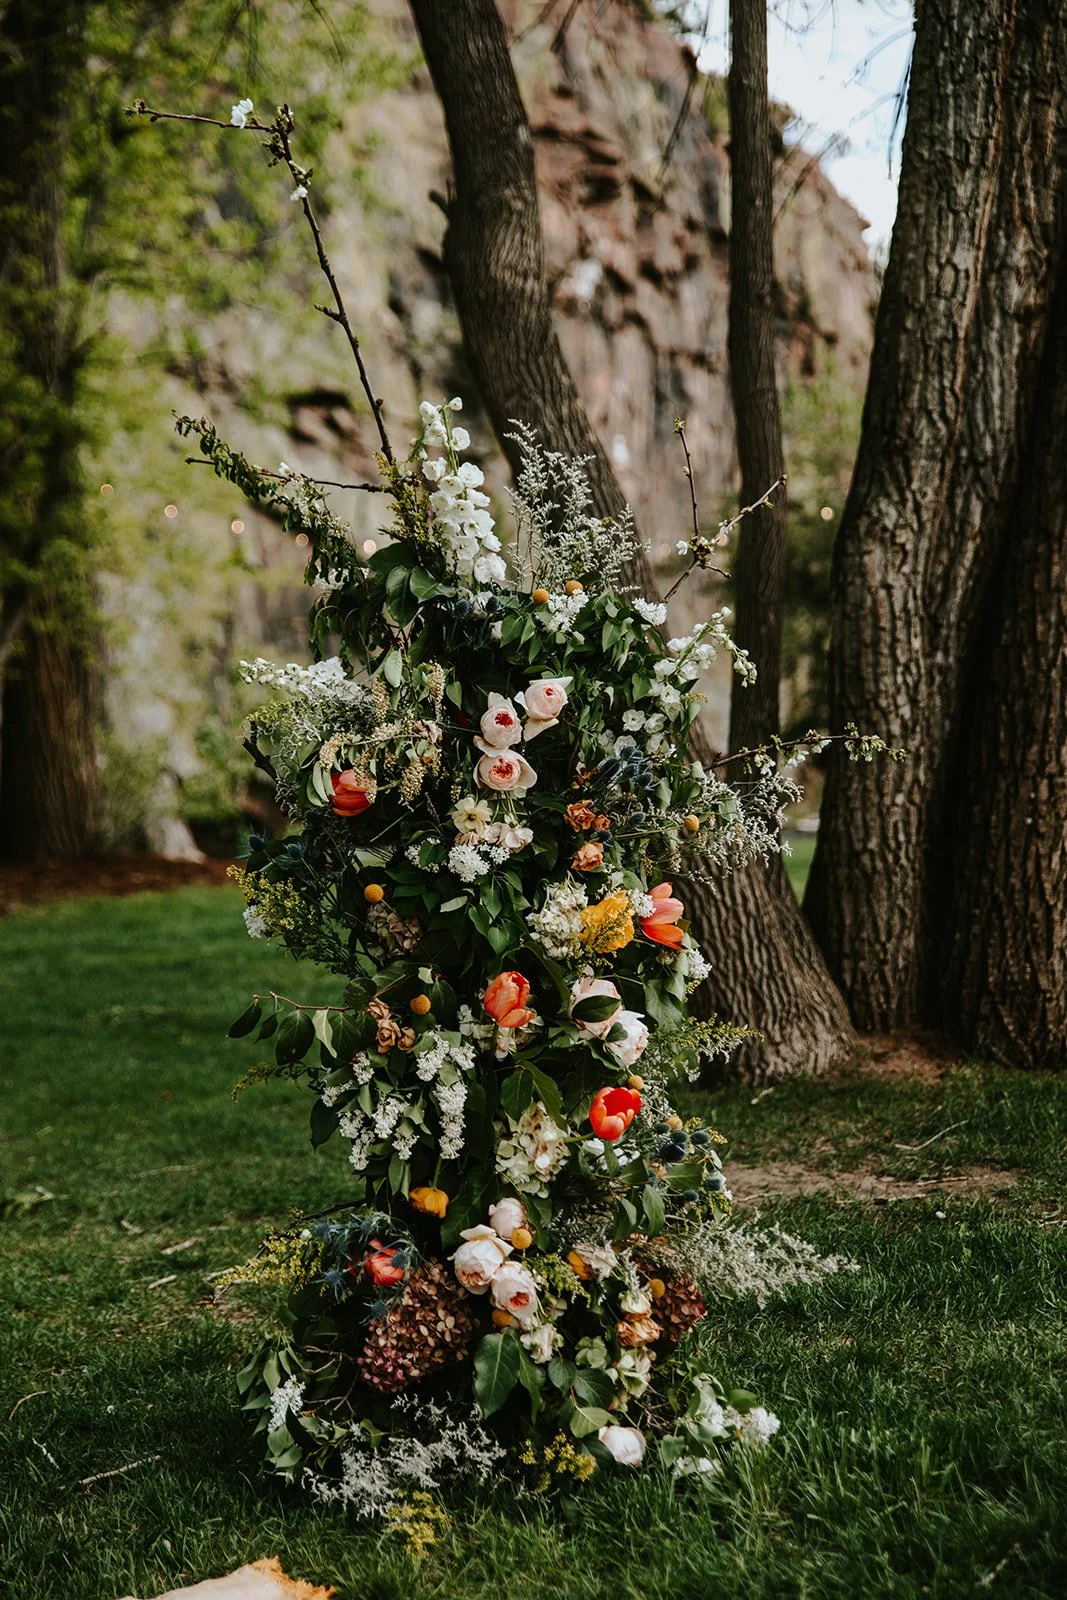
{"x": 767, "y": 969}
{"x": 758, "y": 564}
{"x": 1005, "y": 982}
{"x": 952, "y": 388}
{"x": 48, "y": 776}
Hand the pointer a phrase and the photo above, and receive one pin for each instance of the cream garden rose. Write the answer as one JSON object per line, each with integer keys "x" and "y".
{"x": 627, "y": 1445}
{"x": 507, "y": 1215}
{"x": 513, "y": 1289}
{"x": 501, "y": 726}
{"x": 543, "y": 702}
{"x": 627, "y": 1050}
{"x": 479, "y": 1257}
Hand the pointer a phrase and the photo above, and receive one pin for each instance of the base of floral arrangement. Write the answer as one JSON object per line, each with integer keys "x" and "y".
{"x": 260, "y": 1580}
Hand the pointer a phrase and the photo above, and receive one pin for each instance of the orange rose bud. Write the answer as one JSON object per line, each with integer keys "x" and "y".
{"x": 504, "y": 1319}
{"x": 522, "y": 1238}
{"x": 589, "y": 857}
{"x": 505, "y": 1000}
{"x": 580, "y": 1268}
{"x": 572, "y": 586}
{"x": 541, "y": 597}
{"x": 350, "y": 797}
{"x": 374, "y": 894}
{"x": 420, "y": 1005}
{"x": 691, "y": 824}
{"x": 431, "y": 1202}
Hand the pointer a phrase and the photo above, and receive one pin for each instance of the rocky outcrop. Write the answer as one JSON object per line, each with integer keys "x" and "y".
{"x": 633, "y": 170}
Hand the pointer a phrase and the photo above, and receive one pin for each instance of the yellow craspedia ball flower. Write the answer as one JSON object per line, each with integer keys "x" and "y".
{"x": 657, "y": 1288}
{"x": 373, "y": 894}
{"x": 608, "y": 925}
{"x": 691, "y": 824}
{"x": 635, "y": 1081}
{"x": 420, "y": 1005}
{"x": 541, "y": 597}
{"x": 522, "y": 1238}
{"x": 572, "y": 586}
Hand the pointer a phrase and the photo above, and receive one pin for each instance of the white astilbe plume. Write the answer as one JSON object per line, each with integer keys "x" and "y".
{"x": 736, "y": 1262}
{"x": 557, "y": 535}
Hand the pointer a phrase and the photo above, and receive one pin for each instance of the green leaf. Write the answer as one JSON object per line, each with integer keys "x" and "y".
{"x": 323, "y": 1124}
{"x": 593, "y": 1386}
{"x": 393, "y": 668}
{"x": 422, "y": 585}
{"x": 294, "y": 1038}
{"x": 561, "y": 1372}
{"x": 687, "y": 1175}
{"x": 588, "y": 1419}
{"x": 246, "y": 1021}
{"x": 548, "y": 1090}
{"x": 597, "y": 1008}
{"x": 532, "y": 1378}
{"x": 516, "y": 1093}
{"x": 496, "y": 1370}
{"x": 324, "y": 1029}
{"x": 453, "y": 905}
{"x": 652, "y": 1205}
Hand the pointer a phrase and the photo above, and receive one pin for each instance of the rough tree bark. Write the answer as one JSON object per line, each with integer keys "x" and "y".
{"x": 50, "y": 700}
{"x": 767, "y": 970}
{"x": 758, "y": 563}
{"x": 954, "y": 379}
{"x": 1005, "y": 982}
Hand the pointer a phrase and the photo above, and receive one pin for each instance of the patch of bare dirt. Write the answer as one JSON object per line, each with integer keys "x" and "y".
{"x": 118, "y": 875}
{"x": 923, "y": 1057}
{"x": 786, "y": 1180}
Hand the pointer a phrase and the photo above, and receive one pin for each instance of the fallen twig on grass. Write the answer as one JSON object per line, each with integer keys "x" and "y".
{"x": 31, "y": 1396}
{"x": 173, "y": 1249}
{"x": 934, "y": 1136}
{"x": 159, "y": 1283}
{"x": 117, "y": 1472}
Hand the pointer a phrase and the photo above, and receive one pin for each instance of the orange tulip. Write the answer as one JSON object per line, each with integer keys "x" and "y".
{"x": 505, "y": 1000}
{"x": 350, "y": 797}
{"x": 661, "y": 925}
{"x": 612, "y": 1112}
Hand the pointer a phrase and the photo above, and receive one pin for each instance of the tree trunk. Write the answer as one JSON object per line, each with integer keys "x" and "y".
{"x": 50, "y": 701}
{"x": 952, "y": 388}
{"x": 1005, "y": 983}
{"x": 767, "y": 970}
{"x": 758, "y": 564}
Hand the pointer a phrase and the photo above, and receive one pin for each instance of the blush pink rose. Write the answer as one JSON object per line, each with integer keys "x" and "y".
{"x": 543, "y": 701}
{"x": 504, "y": 771}
{"x": 479, "y": 1257}
{"x": 513, "y": 1289}
{"x": 500, "y": 725}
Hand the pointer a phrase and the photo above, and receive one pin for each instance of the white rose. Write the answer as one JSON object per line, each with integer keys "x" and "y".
{"x": 500, "y": 725}
{"x": 475, "y": 1261}
{"x": 504, "y": 772}
{"x": 541, "y": 1342}
{"x": 589, "y": 989}
{"x": 507, "y": 1215}
{"x": 543, "y": 701}
{"x": 513, "y": 1289}
{"x": 627, "y": 1445}
{"x": 627, "y": 1050}
{"x": 508, "y": 837}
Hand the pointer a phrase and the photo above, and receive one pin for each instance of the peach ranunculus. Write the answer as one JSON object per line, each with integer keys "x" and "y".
{"x": 505, "y": 772}
{"x": 479, "y": 1257}
{"x": 588, "y": 988}
{"x": 505, "y": 1000}
{"x": 513, "y": 1289}
{"x": 352, "y": 793}
{"x": 661, "y": 924}
{"x": 612, "y": 1112}
{"x": 543, "y": 701}
{"x": 588, "y": 857}
{"x": 380, "y": 1266}
{"x": 500, "y": 725}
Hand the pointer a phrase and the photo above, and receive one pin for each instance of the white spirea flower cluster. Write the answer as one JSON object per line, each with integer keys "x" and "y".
{"x": 652, "y": 611}
{"x": 322, "y": 680}
{"x": 256, "y": 923}
{"x": 561, "y": 611}
{"x": 558, "y": 924}
{"x": 460, "y": 508}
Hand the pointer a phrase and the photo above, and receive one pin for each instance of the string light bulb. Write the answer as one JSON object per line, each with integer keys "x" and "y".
{"x": 170, "y": 511}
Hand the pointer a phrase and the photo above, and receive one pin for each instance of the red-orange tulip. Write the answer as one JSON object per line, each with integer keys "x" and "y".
{"x": 661, "y": 925}
{"x": 350, "y": 797}
{"x": 380, "y": 1267}
{"x": 505, "y": 1000}
{"x": 612, "y": 1112}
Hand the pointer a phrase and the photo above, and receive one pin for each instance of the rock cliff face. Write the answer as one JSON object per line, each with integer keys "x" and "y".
{"x": 633, "y": 170}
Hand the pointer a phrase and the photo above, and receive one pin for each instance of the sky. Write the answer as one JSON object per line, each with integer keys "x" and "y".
{"x": 839, "y": 64}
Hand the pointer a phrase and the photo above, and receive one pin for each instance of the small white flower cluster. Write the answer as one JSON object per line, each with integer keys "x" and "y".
{"x": 532, "y": 1152}
{"x": 695, "y": 652}
{"x": 466, "y": 862}
{"x": 651, "y": 611}
{"x": 696, "y": 966}
{"x": 240, "y": 113}
{"x": 558, "y": 924}
{"x": 322, "y": 680}
{"x": 287, "y": 1397}
{"x": 256, "y": 923}
{"x": 460, "y": 508}
{"x": 451, "y": 1100}
{"x": 560, "y": 612}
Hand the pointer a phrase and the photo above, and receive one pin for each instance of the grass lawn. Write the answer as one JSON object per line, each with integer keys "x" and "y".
{"x": 922, "y": 1398}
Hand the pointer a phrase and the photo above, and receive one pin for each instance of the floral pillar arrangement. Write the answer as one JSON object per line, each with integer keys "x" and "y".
{"x": 491, "y": 802}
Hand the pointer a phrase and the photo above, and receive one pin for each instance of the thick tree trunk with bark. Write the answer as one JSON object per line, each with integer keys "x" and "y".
{"x": 758, "y": 564}
{"x": 767, "y": 970}
{"x": 1005, "y": 982}
{"x": 952, "y": 389}
{"x": 50, "y": 701}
